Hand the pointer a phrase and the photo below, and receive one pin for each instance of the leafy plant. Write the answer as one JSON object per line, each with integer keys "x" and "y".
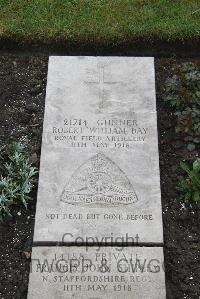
{"x": 183, "y": 93}
{"x": 16, "y": 180}
{"x": 189, "y": 187}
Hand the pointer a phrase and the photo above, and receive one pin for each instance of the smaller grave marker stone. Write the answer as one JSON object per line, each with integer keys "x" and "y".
{"x": 105, "y": 272}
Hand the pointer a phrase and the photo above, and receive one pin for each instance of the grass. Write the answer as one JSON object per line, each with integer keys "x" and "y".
{"x": 99, "y": 20}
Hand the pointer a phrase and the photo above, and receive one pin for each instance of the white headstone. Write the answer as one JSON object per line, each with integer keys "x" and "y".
{"x": 99, "y": 171}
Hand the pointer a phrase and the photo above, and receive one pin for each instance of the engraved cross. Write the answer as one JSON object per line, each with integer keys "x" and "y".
{"x": 101, "y": 82}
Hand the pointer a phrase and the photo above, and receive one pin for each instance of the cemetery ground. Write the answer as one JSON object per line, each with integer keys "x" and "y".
{"x": 22, "y": 85}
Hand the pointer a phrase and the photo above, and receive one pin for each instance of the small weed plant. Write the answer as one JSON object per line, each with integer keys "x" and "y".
{"x": 17, "y": 175}
{"x": 183, "y": 93}
{"x": 189, "y": 187}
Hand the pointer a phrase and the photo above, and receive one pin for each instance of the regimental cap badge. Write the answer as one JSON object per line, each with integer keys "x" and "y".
{"x": 99, "y": 182}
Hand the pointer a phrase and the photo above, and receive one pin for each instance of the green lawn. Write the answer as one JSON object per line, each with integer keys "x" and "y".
{"x": 103, "y": 20}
